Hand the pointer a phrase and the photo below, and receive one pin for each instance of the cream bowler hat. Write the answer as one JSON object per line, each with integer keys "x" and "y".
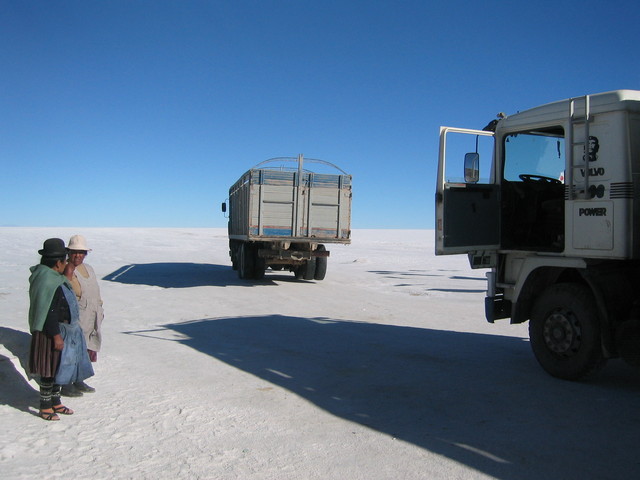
{"x": 78, "y": 242}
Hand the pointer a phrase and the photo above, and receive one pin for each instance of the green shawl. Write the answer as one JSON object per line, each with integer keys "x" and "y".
{"x": 43, "y": 284}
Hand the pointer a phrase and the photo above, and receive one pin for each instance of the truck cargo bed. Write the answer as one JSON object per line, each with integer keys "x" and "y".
{"x": 272, "y": 205}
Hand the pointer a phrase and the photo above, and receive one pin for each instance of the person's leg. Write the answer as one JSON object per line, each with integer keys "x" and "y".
{"x": 46, "y": 401}
{"x": 57, "y": 403}
{"x": 82, "y": 386}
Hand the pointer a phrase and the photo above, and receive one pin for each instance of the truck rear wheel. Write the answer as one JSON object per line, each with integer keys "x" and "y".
{"x": 246, "y": 261}
{"x": 565, "y": 331}
{"x": 259, "y": 266}
{"x": 321, "y": 265}
{"x": 306, "y": 270}
{"x": 310, "y": 269}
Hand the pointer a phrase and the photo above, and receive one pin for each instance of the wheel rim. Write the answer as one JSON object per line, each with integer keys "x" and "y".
{"x": 562, "y": 333}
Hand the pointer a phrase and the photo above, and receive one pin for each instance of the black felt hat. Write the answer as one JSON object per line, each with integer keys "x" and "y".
{"x": 52, "y": 248}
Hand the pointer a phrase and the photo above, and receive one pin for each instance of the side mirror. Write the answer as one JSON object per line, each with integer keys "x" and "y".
{"x": 472, "y": 167}
{"x": 224, "y": 207}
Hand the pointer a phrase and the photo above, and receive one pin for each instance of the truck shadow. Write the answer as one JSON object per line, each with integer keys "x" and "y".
{"x": 181, "y": 275}
{"x": 480, "y": 400}
{"x": 415, "y": 279}
{"x": 16, "y": 391}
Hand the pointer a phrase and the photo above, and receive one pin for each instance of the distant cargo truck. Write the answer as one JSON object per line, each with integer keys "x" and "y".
{"x": 281, "y": 216}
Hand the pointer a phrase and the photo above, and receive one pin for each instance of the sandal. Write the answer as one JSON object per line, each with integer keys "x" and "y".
{"x": 48, "y": 416}
{"x": 62, "y": 410}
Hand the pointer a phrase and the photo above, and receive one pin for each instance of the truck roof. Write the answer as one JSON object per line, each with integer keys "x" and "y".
{"x": 554, "y": 112}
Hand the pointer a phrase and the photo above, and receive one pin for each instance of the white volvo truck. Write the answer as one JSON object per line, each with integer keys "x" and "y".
{"x": 548, "y": 200}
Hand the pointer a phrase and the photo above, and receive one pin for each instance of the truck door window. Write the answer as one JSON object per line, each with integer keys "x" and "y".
{"x": 458, "y": 146}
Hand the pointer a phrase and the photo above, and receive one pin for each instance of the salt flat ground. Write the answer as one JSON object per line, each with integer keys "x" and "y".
{"x": 384, "y": 370}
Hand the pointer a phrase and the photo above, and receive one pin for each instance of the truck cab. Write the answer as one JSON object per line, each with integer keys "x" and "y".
{"x": 545, "y": 199}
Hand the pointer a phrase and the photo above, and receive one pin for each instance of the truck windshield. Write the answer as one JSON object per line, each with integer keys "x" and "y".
{"x": 529, "y": 154}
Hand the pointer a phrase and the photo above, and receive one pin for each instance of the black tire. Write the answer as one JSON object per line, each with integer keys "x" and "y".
{"x": 233, "y": 253}
{"x": 259, "y": 266}
{"x": 310, "y": 269}
{"x": 321, "y": 265}
{"x": 565, "y": 331}
{"x": 299, "y": 271}
{"x": 246, "y": 261}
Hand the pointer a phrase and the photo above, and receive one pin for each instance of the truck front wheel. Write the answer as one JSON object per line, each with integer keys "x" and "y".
{"x": 233, "y": 253}
{"x": 565, "y": 331}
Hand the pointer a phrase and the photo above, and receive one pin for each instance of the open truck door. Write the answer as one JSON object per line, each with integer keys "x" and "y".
{"x": 467, "y": 195}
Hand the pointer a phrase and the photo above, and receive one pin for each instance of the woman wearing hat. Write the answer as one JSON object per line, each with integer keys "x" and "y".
{"x": 85, "y": 285}
{"x": 57, "y": 353}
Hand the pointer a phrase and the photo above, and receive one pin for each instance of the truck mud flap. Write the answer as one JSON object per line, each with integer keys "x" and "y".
{"x": 496, "y": 308}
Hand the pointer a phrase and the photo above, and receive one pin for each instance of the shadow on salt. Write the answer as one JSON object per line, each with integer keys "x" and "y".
{"x": 478, "y": 399}
{"x": 187, "y": 275}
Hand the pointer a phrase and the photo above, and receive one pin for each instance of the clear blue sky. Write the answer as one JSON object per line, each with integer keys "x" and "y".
{"x": 144, "y": 112}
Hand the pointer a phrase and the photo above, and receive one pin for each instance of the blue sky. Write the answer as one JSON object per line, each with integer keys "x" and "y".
{"x": 143, "y": 113}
